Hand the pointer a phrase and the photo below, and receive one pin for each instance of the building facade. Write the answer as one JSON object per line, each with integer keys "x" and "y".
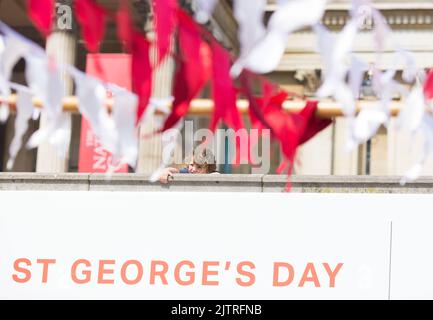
{"x": 388, "y": 153}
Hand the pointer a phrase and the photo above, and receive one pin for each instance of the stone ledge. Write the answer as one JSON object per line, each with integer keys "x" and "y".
{"x": 44, "y": 182}
{"x": 180, "y": 182}
{"x": 345, "y": 179}
{"x": 347, "y": 184}
{"x": 232, "y": 178}
{"x": 215, "y": 183}
{"x": 43, "y": 176}
{"x": 384, "y": 6}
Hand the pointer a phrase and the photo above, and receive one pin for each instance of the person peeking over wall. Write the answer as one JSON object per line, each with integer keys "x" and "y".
{"x": 202, "y": 162}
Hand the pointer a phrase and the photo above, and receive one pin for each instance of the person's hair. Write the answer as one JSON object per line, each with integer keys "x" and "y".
{"x": 204, "y": 158}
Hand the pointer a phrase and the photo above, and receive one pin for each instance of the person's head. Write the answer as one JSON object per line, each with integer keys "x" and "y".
{"x": 202, "y": 162}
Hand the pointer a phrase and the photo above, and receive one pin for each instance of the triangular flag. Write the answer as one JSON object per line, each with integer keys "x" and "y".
{"x": 92, "y": 19}
{"x": 224, "y": 93}
{"x": 193, "y": 69}
{"x": 165, "y": 24}
{"x": 41, "y": 12}
{"x": 141, "y": 72}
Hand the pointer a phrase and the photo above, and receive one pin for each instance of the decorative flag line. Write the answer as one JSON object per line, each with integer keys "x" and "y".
{"x": 201, "y": 59}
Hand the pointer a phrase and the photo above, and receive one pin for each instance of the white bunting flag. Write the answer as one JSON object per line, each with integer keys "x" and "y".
{"x": 92, "y": 96}
{"x": 290, "y": 16}
{"x": 25, "y": 108}
{"x": 250, "y": 16}
{"x": 124, "y": 114}
{"x": 204, "y": 9}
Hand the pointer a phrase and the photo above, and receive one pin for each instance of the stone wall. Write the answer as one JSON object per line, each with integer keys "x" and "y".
{"x": 215, "y": 183}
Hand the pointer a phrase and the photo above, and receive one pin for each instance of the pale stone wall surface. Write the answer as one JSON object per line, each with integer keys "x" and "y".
{"x": 212, "y": 183}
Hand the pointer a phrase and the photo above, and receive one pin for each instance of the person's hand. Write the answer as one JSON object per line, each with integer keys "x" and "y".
{"x": 168, "y": 172}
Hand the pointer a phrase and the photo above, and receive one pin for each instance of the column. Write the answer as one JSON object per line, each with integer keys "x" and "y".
{"x": 344, "y": 162}
{"x": 61, "y": 44}
{"x": 315, "y": 156}
{"x": 379, "y": 153}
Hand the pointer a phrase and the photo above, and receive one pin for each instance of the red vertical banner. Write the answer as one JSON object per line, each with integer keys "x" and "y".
{"x": 114, "y": 68}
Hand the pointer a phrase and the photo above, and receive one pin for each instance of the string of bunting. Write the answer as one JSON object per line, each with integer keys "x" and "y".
{"x": 202, "y": 59}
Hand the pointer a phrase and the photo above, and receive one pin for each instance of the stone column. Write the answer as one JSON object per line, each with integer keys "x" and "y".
{"x": 344, "y": 162}
{"x": 61, "y": 44}
{"x": 315, "y": 157}
{"x": 379, "y": 153}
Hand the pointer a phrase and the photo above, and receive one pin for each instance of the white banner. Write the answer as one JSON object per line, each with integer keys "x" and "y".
{"x": 114, "y": 245}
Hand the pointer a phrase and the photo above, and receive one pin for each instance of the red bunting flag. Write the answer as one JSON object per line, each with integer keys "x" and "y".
{"x": 41, "y": 13}
{"x": 92, "y": 19}
{"x": 165, "y": 19}
{"x": 193, "y": 68}
{"x": 290, "y": 129}
{"x": 312, "y": 124}
{"x": 224, "y": 94}
{"x": 137, "y": 44}
{"x": 428, "y": 86}
{"x": 225, "y": 97}
{"x": 124, "y": 25}
{"x": 141, "y": 72}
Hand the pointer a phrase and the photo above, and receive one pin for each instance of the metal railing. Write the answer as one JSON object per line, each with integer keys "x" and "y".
{"x": 326, "y": 108}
